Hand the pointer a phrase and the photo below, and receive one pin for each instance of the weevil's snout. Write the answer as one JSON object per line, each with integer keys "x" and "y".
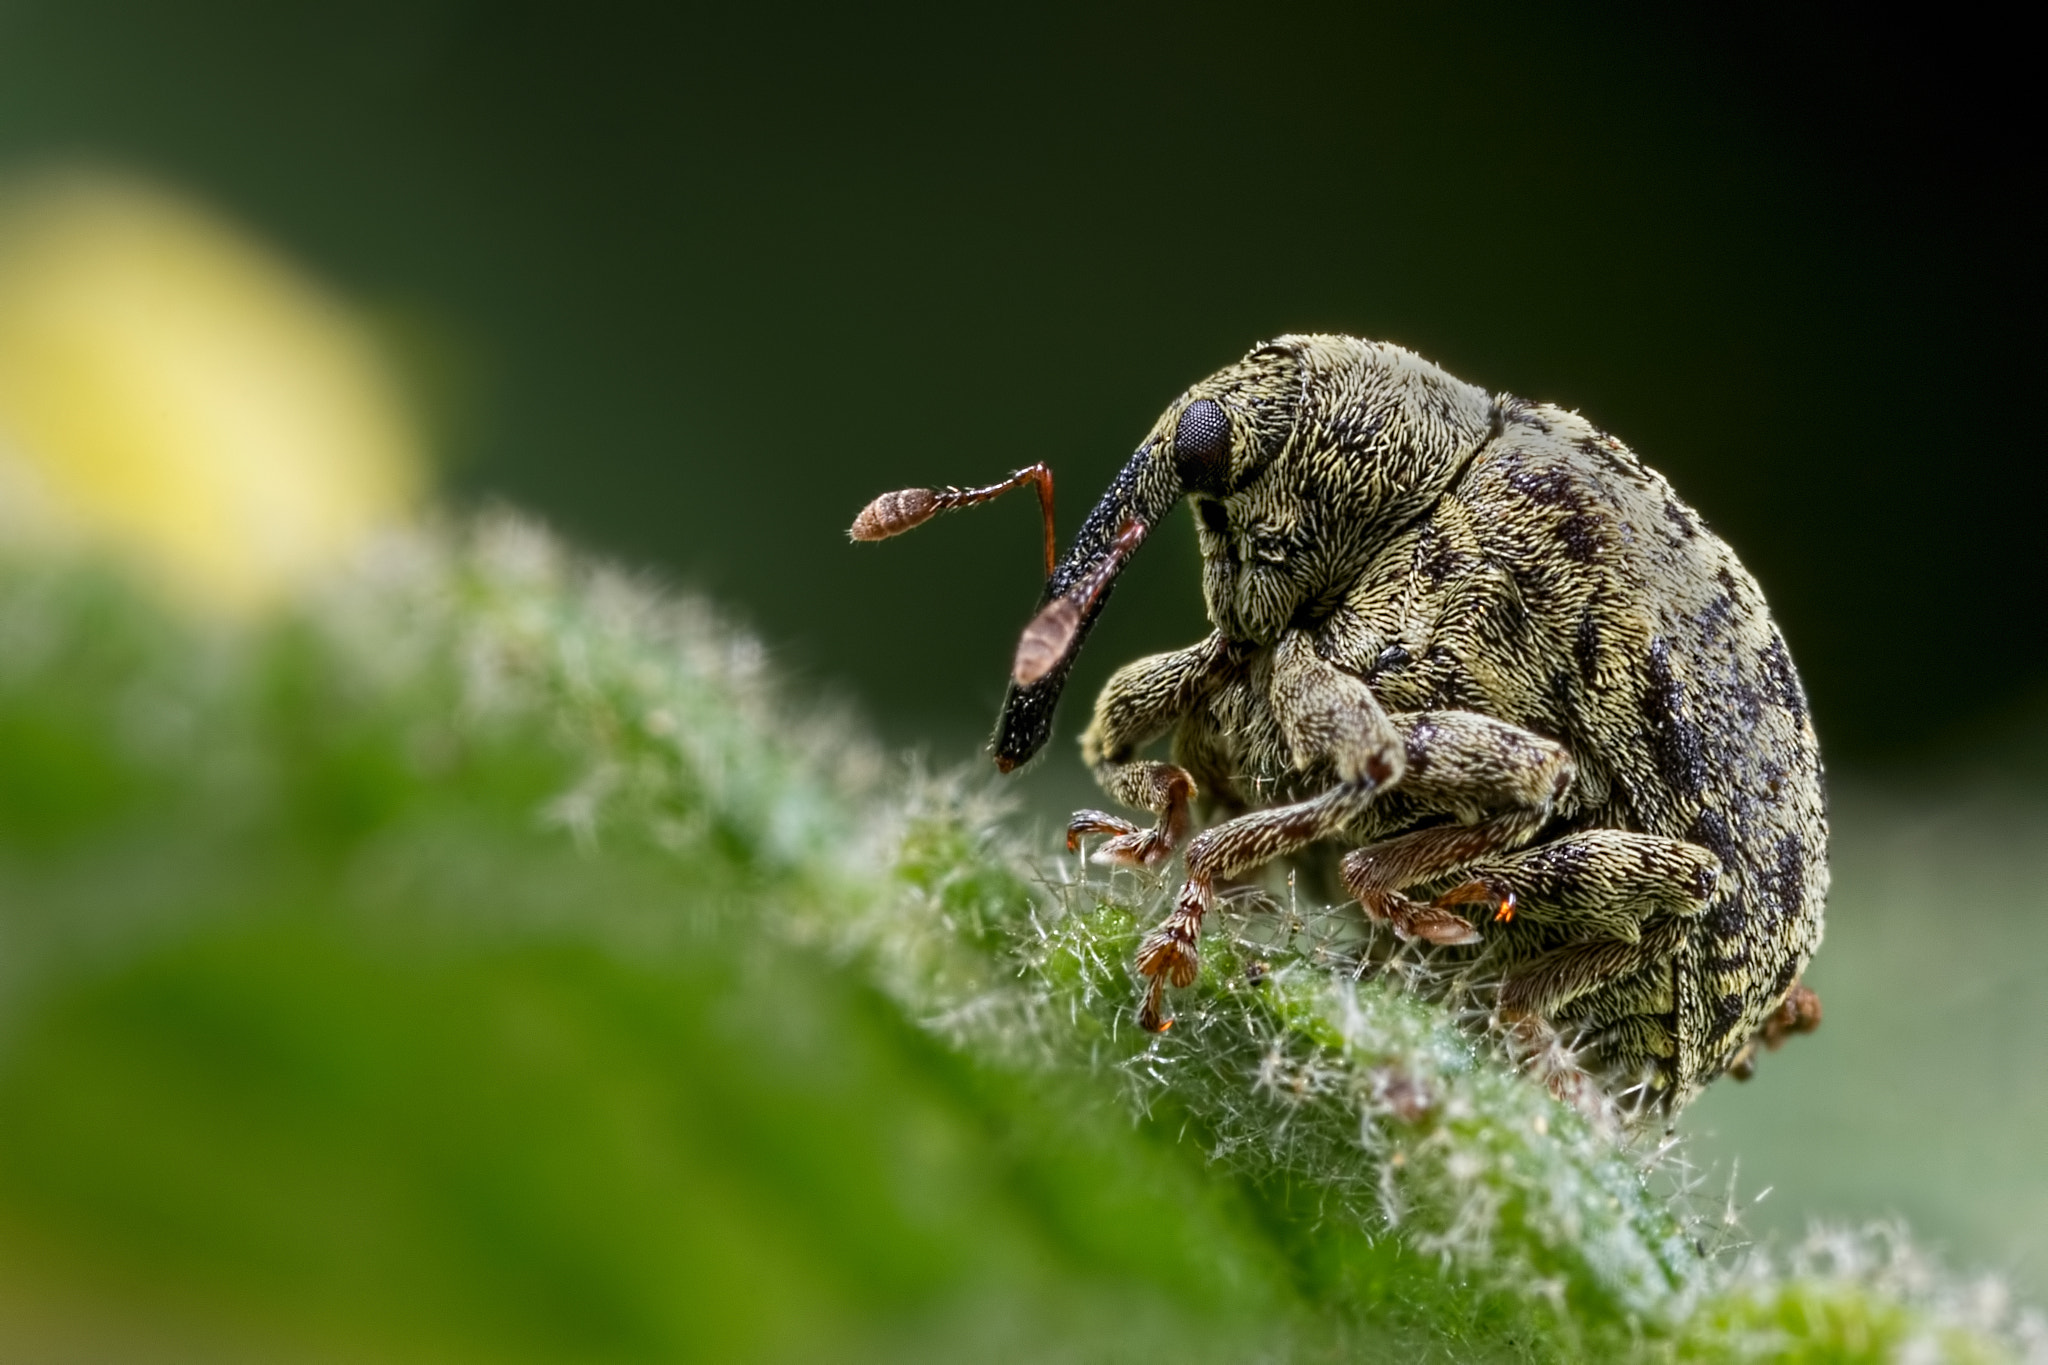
{"x": 1200, "y": 457}
{"x": 1054, "y": 634}
{"x": 1191, "y": 453}
{"x": 1075, "y": 592}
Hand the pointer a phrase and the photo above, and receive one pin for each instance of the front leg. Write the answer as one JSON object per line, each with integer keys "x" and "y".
{"x": 1325, "y": 715}
{"x": 1141, "y": 702}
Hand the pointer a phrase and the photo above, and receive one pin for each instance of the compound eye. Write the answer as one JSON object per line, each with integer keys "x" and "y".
{"x": 1201, "y": 447}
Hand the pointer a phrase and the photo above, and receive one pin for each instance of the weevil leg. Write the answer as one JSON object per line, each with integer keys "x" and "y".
{"x": 1159, "y": 787}
{"x": 1599, "y": 883}
{"x": 1637, "y": 1045}
{"x": 1473, "y": 766}
{"x": 1142, "y": 701}
{"x": 1799, "y": 1012}
{"x": 1378, "y": 873}
{"x": 1602, "y": 883}
{"x": 1169, "y": 953}
{"x": 1545, "y": 984}
{"x": 1500, "y": 783}
{"x": 1326, "y": 716}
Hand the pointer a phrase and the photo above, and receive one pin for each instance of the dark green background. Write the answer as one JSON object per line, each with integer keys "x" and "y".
{"x": 696, "y": 284}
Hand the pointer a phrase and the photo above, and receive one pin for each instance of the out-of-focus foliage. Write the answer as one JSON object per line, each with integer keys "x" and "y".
{"x": 1921, "y": 1096}
{"x": 169, "y": 386}
{"x": 477, "y": 962}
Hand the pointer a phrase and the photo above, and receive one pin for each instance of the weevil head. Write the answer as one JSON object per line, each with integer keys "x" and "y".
{"x": 1299, "y": 461}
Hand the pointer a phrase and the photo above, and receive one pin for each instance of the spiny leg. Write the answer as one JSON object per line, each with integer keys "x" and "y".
{"x": 1545, "y": 984}
{"x": 1619, "y": 899}
{"x": 1141, "y": 702}
{"x": 1378, "y": 873}
{"x": 1602, "y": 883}
{"x": 1620, "y": 902}
{"x": 1799, "y": 1012}
{"x": 1169, "y": 955}
{"x": 1159, "y": 787}
{"x": 1532, "y": 996}
{"x": 1325, "y": 715}
{"x": 1470, "y": 765}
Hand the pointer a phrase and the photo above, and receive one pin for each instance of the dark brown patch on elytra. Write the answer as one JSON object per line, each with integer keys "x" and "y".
{"x": 1709, "y": 829}
{"x": 1749, "y": 704}
{"x": 1782, "y": 982}
{"x": 1580, "y": 535}
{"x": 1728, "y": 964}
{"x": 1715, "y": 617}
{"x": 1728, "y": 918}
{"x": 1586, "y": 645}
{"x": 1778, "y": 668}
{"x": 1546, "y": 487}
{"x": 1788, "y": 878}
{"x": 1674, "y": 734}
{"x": 1727, "y": 1013}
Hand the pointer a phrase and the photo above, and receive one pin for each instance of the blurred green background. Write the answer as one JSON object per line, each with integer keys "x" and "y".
{"x": 698, "y": 281}
{"x": 694, "y": 283}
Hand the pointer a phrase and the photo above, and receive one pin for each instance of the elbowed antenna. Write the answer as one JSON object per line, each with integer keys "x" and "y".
{"x": 1075, "y": 588}
{"x": 1142, "y": 493}
{"x": 908, "y": 508}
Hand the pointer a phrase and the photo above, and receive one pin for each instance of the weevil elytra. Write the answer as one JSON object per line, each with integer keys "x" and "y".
{"x": 1478, "y": 641}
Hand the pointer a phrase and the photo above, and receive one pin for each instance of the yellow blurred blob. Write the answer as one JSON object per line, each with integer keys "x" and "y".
{"x": 170, "y": 387}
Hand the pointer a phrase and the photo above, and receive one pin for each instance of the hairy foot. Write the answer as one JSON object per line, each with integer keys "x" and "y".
{"x": 1169, "y": 954}
{"x": 1129, "y": 845}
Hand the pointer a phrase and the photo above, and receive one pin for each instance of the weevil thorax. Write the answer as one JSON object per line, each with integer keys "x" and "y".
{"x": 1302, "y": 457}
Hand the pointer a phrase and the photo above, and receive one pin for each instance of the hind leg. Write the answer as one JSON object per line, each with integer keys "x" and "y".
{"x": 1378, "y": 874}
{"x": 1601, "y": 883}
{"x": 1499, "y": 780}
{"x": 1799, "y": 1013}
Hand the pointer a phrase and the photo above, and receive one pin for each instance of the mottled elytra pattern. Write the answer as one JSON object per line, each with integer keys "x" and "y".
{"x": 1473, "y": 640}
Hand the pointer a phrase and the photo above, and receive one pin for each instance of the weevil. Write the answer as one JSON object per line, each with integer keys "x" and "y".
{"x": 1477, "y": 642}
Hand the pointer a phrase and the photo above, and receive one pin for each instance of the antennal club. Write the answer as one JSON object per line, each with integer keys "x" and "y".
{"x": 894, "y": 513}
